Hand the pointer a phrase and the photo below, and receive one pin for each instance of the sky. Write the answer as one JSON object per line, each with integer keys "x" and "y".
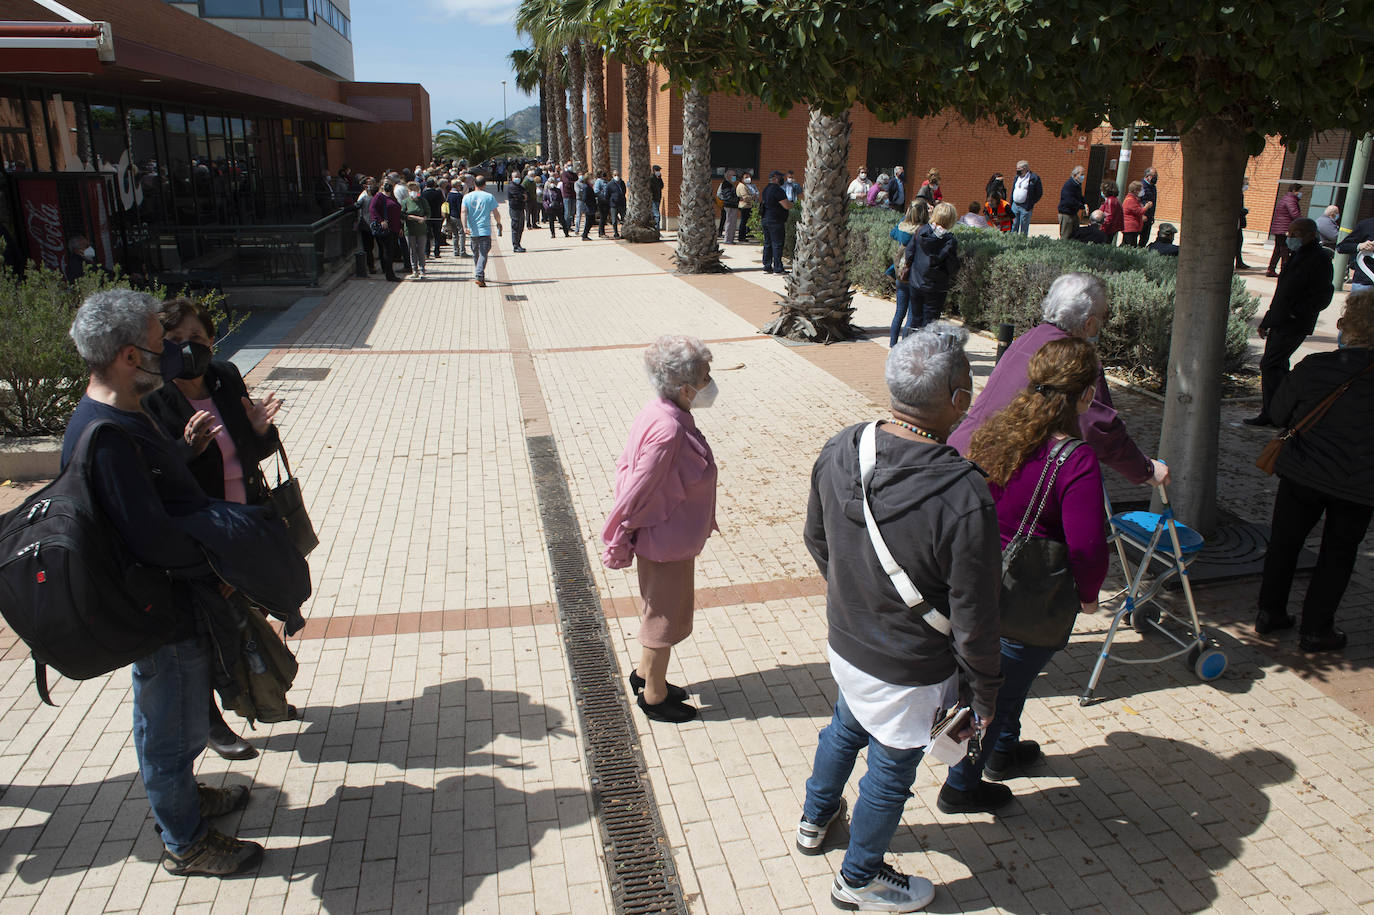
{"x": 457, "y": 49}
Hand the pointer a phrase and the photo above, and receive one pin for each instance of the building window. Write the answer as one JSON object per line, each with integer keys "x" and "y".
{"x": 327, "y": 12}
{"x": 253, "y": 9}
{"x": 739, "y": 151}
{"x": 884, "y": 155}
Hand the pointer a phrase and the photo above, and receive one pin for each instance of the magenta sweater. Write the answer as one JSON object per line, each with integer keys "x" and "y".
{"x": 1075, "y": 513}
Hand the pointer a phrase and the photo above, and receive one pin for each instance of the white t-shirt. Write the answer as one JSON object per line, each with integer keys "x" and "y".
{"x": 859, "y": 188}
{"x": 1020, "y": 189}
{"x": 896, "y": 716}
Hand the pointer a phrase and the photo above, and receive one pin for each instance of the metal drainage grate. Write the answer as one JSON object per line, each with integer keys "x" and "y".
{"x": 635, "y": 845}
{"x": 517, "y": 298}
{"x": 297, "y": 374}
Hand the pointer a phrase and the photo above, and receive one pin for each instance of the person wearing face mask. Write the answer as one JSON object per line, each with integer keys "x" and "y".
{"x": 664, "y": 511}
{"x": 1288, "y": 208}
{"x": 1303, "y": 291}
{"x": 857, "y": 191}
{"x": 1149, "y": 196}
{"x": 748, "y": 199}
{"x": 223, "y": 434}
{"x": 80, "y": 258}
{"x": 1075, "y": 306}
{"x": 1072, "y": 206}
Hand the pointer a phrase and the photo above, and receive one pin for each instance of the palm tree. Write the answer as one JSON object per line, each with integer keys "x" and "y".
{"x": 639, "y": 215}
{"x": 595, "y": 65}
{"x": 818, "y": 303}
{"x": 476, "y": 142}
{"x": 577, "y": 134}
{"x": 697, "y": 251}
{"x": 528, "y": 77}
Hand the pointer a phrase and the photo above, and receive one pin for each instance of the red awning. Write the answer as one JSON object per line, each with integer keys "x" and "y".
{"x": 54, "y": 47}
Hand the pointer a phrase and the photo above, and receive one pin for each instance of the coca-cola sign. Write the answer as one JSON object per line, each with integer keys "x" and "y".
{"x": 42, "y": 221}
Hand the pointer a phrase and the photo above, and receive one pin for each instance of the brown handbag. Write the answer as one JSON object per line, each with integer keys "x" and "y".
{"x": 1269, "y": 457}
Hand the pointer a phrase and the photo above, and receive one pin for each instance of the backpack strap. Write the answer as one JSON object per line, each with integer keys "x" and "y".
{"x": 40, "y": 682}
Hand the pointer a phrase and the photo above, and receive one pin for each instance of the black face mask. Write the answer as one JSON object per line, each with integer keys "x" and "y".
{"x": 195, "y": 359}
{"x": 170, "y": 361}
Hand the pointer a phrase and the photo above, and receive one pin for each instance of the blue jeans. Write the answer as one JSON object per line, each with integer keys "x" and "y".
{"x": 481, "y": 247}
{"x": 658, "y": 216}
{"x": 569, "y": 212}
{"x": 1021, "y": 664}
{"x": 1020, "y": 219}
{"x": 924, "y": 307}
{"x": 773, "y": 234}
{"x": 171, "y": 724}
{"x": 882, "y": 791}
{"x": 903, "y": 301}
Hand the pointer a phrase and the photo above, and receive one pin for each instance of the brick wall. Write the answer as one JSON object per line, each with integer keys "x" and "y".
{"x": 396, "y": 144}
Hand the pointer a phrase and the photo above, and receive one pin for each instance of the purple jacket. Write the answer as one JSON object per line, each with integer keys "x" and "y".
{"x": 1285, "y": 211}
{"x": 386, "y": 208}
{"x": 1102, "y": 428}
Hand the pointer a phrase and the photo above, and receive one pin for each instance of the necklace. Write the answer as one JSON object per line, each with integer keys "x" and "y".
{"x": 910, "y": 428}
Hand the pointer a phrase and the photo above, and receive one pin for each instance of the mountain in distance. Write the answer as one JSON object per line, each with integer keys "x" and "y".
{"x": 525, "y": 123}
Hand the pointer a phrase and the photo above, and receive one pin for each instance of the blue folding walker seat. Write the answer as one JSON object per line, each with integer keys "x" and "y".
{"x": 1144, "y": 532}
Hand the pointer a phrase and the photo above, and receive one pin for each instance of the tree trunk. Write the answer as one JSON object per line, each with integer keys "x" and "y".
{"x": 560, "y": 109}
{"x": 817, "y": 303}
{"x": 1213, "y": 167}
{"x": 639, "y": 214}
{"x": 596, "y": 108}
{"x": 543, "y": 118}
{"x": 697, "y": 251}
{"x": 551, "y": 109}
{"x": 577, "y": 133}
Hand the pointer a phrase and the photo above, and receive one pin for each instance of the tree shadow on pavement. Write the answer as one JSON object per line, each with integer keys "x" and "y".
{"x": 1146, "y": 814}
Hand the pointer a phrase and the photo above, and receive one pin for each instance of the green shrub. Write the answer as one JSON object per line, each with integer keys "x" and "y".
{"x": 872, "y": 250}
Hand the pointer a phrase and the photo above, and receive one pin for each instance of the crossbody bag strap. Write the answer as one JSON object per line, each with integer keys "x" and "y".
{"x": 1039, "y": 496}
{"x": 910, "y": 594}
{"x": 1320, "y": 410}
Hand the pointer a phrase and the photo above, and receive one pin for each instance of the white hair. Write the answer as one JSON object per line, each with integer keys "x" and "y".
{"x": 675, "y": 360}
{"x": 923, "y": 369}
{"x": 1073, "y": 299}
{"x": 110, "y": 320}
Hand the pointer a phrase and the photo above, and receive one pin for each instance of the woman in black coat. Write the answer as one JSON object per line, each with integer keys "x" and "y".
{"x": 224, "y": 436}
{"x": 933, "y": 254}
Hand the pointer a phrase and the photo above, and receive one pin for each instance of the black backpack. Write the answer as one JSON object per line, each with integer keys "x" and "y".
{"x": 68, "y": 587}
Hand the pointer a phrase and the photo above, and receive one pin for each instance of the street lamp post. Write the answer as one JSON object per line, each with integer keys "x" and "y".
{"x": 503, "y": 102}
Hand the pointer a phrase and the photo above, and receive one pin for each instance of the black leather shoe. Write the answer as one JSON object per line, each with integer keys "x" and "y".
{"x": 667, "y": 710}
{"x": 230, "y": 745}
{"x": 1240, "y": 266}
{"x": 1265, "y": 624}
{"x": 984, "y": 798}
{"x": 1332, "y": 640}
{"x": 1002, "y": 766}
{"x": 1260, "y": 420}
{"x": 675, "y": 693}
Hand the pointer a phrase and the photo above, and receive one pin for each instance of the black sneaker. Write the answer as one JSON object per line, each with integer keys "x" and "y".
{"x": 667, "y": 710}
{"x": 1002, "y": 766}
{"x": 1265, "y": 623}
{"x": 675, "y": 693}
{"x": 1332, "y": 639}
{"x": 811, "y": 836}
{"x": 1260, "y": 420}
{"x": 985, "y": 797}
{"x": 218, "y": 802}
{"x": 215, "y": 855}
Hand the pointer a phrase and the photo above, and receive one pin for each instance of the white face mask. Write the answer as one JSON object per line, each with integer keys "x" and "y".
{"x": 88, "y": 253}
{"x": 706, "y": 396}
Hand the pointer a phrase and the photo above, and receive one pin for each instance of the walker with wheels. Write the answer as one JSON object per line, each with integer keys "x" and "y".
{"x": 1143, "y": 531}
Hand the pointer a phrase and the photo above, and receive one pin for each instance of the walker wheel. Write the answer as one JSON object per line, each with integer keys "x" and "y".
{"x": 1143, "y": 618}
{"x": 1207, "y": 663}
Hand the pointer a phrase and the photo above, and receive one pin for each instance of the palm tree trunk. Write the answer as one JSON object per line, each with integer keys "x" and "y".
{"x": 817, "y": 303}
{"x": 596, "y": 108}
{"x": 560, "y": 107}
{"x": 639, "y": 215}
{"x": 551, "y": 108}
{"x": 577, "y": 133}
{"x": 697, "y": 251}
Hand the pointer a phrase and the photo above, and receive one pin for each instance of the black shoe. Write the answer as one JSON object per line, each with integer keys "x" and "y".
{"x": 1265, "y": 624}
{"x": 1332, "y": 639}
{"x": 1002, "y": 766}
{"x": 766, "y": 270}
{"x": 215, "y": 855}
{"x": 393, "y": 279}
{"x": 230, "y": 745}
{"x": 667, "y": 710}
{"x": 675, "y": 693}
{"x": 1260, "y": 420}
{"x": 518, "y": 250}
{"x": 985, "y": 798}
{"x": 1240, "y": 266}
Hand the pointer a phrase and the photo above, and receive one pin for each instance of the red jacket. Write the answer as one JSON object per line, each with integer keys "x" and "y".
{"x": 1111, "y": 208}
{"x": 1285, "y": 211}
{"x": 1132, "y": 216}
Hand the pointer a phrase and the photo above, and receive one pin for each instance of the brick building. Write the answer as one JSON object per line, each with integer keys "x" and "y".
{"x": 166, "y": 132}
{"x": 744, "y": 134}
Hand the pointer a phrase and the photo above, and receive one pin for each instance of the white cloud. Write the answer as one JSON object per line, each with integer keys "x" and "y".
{"x": 485, "y": 12}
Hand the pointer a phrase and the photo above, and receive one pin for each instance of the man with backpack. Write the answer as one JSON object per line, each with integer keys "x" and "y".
{"x": 140, "y": 481}
{"x": 602, "y": 187}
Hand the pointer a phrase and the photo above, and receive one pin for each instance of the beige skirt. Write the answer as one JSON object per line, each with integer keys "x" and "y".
{"x": 668, "y": 595}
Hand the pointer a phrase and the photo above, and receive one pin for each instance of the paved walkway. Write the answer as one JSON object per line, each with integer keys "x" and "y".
{"x": 439, "y": 762}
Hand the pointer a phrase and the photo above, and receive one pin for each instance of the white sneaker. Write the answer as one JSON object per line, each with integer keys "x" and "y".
{"x": 889, "y": 891}
{"x": 811, "y": 836}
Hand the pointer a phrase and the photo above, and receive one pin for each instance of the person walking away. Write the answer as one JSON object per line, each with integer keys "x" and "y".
{"x": 618, "y": 198}
{"x": 416, "y": 210}
{"x": 933, "y": 253}
{"x": 1071, "y": 203}
{"x": 1132, "y": 216}
{"x": 729, "y": 200}
{"x": 896, "y": 189}
{"x": 656, "y": 196}
{"x": 386, "y": 213}
{"x": 366, "y": 241}
{"x": 582, "y": 190}
{"x": 1038, "y": 476}
{"x": 515, "y": 208}
{"x": 896, "y": 666}
{"x": 454, "y": 199}
{"x": 774, "y": 206}
{"x": 434, "y": 197}
{"x": 567, "y": 186}
{"x": 602, "y": 187}
{"x": 1324, "y": 471}
{"x": 916, "y": 216}
{"x": 1287, "y": 209}
{"x": 531, "y": 196}
{"x": 1359, "y": 244}
{"x": 1113, "y": 219}
{"x": 592, "y": 206}
{"x": 552, "y": 201}
{"x": 664, "y": 511}
{"x": 1075, "y": 306}
{"x": 1149, "y": 196}
{"x": 479, "y": 211}
{"x": 748, "y": 200}
{"x": 1302, "y": 293}
{"x": 1026, "y": 191}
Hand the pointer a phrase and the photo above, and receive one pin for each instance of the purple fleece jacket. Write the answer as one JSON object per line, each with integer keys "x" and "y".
{"x": 1102, "y": 428}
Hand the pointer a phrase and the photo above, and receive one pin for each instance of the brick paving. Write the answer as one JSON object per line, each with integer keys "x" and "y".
{"x": 439, "y": 764}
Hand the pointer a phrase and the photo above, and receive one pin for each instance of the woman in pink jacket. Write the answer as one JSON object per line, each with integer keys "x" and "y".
{"x": 1132, "y": 215}
{"x": 1285, "y": 211}
{"x": 665, "y": 509}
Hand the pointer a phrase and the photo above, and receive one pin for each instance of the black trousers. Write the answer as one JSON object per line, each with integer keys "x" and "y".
{"x": 386, "y": 253}
{"x": 436, "y": 234}
{"x": 517, "y": 227}
{"x": 1297, "y": 509}
{"x": 1146, "y": 225}
{"x": 1279, "y": 348}
{"x": 367, "y": 242}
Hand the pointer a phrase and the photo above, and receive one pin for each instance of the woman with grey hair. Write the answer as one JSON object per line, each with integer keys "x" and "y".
{"x": 664, "y": 511}
{"x": 1075, "y": 306}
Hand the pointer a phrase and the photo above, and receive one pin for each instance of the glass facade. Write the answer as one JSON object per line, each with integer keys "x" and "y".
{"x": 1322, "y": 165}
{"x": 320, "y": 10}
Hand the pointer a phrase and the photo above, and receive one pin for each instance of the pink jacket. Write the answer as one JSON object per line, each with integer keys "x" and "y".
{"x": 665, "y": 490}
{"x": 1285, "y": 211}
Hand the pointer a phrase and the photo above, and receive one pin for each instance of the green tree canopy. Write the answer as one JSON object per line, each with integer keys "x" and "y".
{"x": 475, "y": 141}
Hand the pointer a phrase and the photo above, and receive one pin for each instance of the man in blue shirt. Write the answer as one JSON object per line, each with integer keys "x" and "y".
{"x": 479, "y": 209}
